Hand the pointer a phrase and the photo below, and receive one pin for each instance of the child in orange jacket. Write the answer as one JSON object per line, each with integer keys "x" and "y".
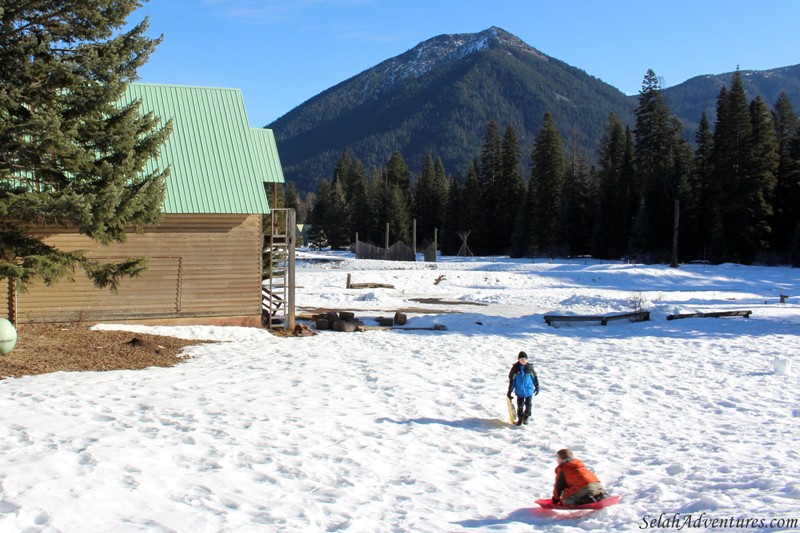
{"x": 575, "y": 484}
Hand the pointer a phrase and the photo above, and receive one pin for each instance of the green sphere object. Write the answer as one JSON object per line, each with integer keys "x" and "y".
{"x": 8, "y": 336}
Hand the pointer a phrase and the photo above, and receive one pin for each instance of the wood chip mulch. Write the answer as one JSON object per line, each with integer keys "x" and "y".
{"x": 44, "y": 348}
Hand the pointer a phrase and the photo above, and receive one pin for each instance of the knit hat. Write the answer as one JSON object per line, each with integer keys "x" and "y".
{"x": 521, "y": 355}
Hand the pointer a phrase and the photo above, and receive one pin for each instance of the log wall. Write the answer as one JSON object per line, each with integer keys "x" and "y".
{"x": 200, "y": 267}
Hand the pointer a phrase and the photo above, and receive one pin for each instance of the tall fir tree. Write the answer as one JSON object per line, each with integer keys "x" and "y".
{"x": 614, "y": 215}
{"x": 350, "y": 175}
{"x": 358, "y": 200}
{"x": 489, "y": 176}
{"x": 318, "y": 216}
{"x": 449, "y": 242}
{"x": 291, "y": 200}
{"x": 509, "y": 193}
{"x": 732, "y": 151}
{"x": 70, "y": 153}
{"x": 759, "y": 186}
{"x": 580, "y": 206}
{"x": 472, "y": 210}
{"x": 425, "y": 205}
{"x": 397, "y": 173}
{"x": 399, "y": 218}
{"x": 430, "y": 199}
{"x": 786, "y": 205}
{"x": 548, "y": 173}
{"x": 441, "y": 192}
{"x": 699, "y": 219}
{"x": 661, "y": 166}
{"x": 391, "y": 200}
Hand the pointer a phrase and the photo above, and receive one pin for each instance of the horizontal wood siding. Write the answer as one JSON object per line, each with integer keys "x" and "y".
{"x": 199, "y": 266}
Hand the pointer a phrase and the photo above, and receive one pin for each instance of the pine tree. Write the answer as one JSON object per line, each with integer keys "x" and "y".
{"x": 700, "y": 209}
{"x": 350, "y": 175}
{"x": 549, "y": 168}
{"x": 614, "y": 215}
{"x": 397, "y": 173}
{"x": 291, "y": 199}
{"x": 449, "y": 240}
{"x": 399, "y": 218}
{"x": 661, "y": 165}
{"x": 786, "y": 205}
{"x": 580, "y": 193}
{"x": 489, "y": 176}
{"x": 510, "y": 191}
{"x": 430, "y": 199}
{"x": 70, "y": 154}
{"x": 441, "y": 192}
{"x": 425, "y": 205}
{"x": 318, "y": 216}
{"x": 358, "y": 200}
{"x": 470, "y": 218}
{"x": 733, "y": 167}
{"x": 759, "y": 185}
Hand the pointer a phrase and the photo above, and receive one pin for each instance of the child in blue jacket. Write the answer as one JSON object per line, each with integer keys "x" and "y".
{"x": 523, "y": 381}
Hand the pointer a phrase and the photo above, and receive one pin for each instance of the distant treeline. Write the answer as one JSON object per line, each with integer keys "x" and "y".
{"x": 736, "y": 190}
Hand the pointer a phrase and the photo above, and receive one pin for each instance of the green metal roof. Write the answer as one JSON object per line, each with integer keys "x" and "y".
{"x": 267, "y": 152}
{"x": 218, "y": 164}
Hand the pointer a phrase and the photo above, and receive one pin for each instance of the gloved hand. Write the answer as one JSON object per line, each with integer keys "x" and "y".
{"x": 536, "y": 391}
{"x": 509, "y": 395}
{"x": 555, "y": 501}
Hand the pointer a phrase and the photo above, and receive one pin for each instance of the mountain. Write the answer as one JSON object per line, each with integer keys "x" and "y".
{"x": 439, "y": 97}
{"x": 689, "y": 99}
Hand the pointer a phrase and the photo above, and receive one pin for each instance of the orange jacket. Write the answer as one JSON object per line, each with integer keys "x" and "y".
{"x": 571, "y": 477}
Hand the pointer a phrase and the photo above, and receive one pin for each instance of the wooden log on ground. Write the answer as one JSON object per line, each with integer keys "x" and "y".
{"x": 370, "y": 286}
{"x": 716, "y": 314}
{"x": 437, "y": 327}
{"x": 638, "y": 316}
{"x": 347, "y": 326}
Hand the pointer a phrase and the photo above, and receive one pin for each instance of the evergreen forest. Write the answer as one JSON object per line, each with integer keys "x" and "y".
{"x": 730, "y": 195}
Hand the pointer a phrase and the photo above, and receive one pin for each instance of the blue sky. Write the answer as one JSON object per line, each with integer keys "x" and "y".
{"x": 280, "y": 53}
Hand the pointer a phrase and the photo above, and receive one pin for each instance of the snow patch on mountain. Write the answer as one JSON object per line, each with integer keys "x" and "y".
{"x": 438, "y": 51}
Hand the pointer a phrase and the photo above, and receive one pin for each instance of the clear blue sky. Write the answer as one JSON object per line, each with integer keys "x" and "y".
{"x": 280, "y": 53}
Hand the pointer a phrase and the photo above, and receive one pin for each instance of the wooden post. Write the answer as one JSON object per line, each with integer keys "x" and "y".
{"x": 356, "y": 245}
{"x": 290, "y": 264}
{"x": 414, "y": 237}
{"x": 386, "y": 248}
{"x": 674, "y": 263}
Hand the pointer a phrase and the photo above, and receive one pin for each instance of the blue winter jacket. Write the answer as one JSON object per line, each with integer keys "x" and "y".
{"x": 523, "y": 380}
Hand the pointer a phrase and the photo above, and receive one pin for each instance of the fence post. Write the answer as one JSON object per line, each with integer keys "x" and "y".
{"x": 386, "y": 248}
{"x": 414, "y": 237}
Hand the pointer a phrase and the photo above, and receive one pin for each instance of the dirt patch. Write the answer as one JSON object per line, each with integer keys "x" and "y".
{"x": 43, "y": 348}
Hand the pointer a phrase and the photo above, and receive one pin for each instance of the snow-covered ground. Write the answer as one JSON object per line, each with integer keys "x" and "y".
{"x": 690, "y": 420}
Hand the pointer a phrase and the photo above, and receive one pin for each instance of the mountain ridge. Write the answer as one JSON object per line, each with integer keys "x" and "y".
{"x": 439, "y": 97}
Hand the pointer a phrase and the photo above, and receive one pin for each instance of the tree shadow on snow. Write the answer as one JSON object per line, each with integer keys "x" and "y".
{"x": 534, "y": 516}
{"x": 475, "y": 424}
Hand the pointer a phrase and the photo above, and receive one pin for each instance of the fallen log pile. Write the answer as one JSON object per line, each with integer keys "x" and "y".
{"x": 347, "y": 322}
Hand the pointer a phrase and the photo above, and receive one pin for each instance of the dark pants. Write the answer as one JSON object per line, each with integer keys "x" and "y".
{"x": 524, "y": 406}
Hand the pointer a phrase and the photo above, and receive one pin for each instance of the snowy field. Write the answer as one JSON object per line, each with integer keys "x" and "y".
{"x": 694, "y": 422}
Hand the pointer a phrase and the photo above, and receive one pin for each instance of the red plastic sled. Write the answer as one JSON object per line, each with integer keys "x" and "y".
{"x": 548, "y": 504}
